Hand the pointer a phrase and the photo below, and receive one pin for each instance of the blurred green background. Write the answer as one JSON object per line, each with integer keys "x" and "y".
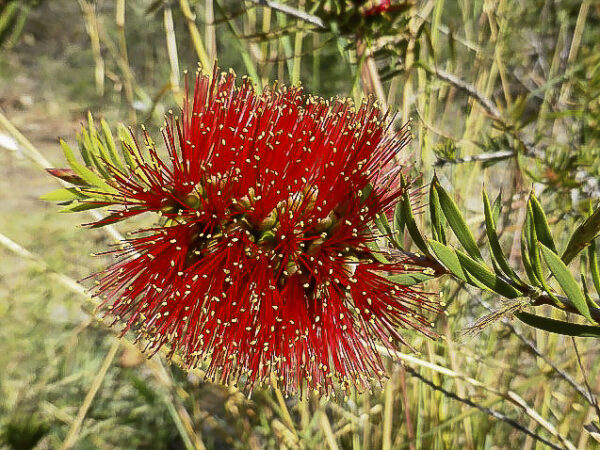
{"x": 503, "y": 92}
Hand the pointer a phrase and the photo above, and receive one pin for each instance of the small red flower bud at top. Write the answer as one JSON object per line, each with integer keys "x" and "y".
{"x": 379, "y": 7}
{"x": 261, "y": 265}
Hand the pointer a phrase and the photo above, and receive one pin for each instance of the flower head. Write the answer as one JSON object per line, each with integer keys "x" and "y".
{"x": 262, "y": 263}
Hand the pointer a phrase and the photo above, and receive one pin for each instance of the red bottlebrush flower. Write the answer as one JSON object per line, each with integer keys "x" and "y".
{"x": 262, "y": 265}
{"x": 380, "y": 7}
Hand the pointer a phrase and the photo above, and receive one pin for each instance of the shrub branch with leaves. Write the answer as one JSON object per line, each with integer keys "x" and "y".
{"x": 542, "y": 263}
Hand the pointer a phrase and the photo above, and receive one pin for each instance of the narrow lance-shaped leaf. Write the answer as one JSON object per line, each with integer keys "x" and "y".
{"x": 566, "y": 281}
{"x": 383, "y": 225}
{"x": 582, "y": 236}
{"x": 100, "y": 149}
{"x": 376, "y": 252}
{"x": 582, "y": 277}
{"x": 457, "y": 222}
{"x": 448, "y": 258}
{"x": 558, "y": 326}
{"x": 525, "y": 255}
{"x": 68, "y": 175}
{"x": 81, "y": 206}
{"x": 63, "y": 195}
{"x": 112, "y": 148}
{"x": 436, "y": 214}
{"x": 105, "y": 157}
{"x": 542, "y": 230}
{"x": 410, "y": 279}
{"x": 84, "y": 150}
{"x": 486, "y": 276}
{"x": 490, "y": 229}
{"x": 534, "y": 253}
{"x": 85, "y": 173}
{"x": 399, "y": 223}
{"x": 366, "y": 191}
{"x": 594, "y": 269}
{"x": 497, "y": 208}
{"x": 410, "y": 222}
{"x": 88, "y": 143}
{"x": 126, "y": 145}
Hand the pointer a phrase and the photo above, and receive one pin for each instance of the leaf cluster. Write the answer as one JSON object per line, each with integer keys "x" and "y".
{"x": 544, "y": 277}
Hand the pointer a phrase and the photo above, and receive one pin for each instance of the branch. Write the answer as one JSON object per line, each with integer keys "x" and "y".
{"x": 489, "y": 107}
{"x": 483, "y": 157}
{"x": 297, "y": 13}
{"x": 498, "y": 415}
{"x": 538, "y": 297}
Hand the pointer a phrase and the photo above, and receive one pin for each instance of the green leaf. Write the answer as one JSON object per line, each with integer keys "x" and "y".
{"x": 384, "y": 228}
{"x": 410, "y": 279}
{"x": 448, "y": 258}
{"x": 566, "y": 281}
{"x": 89, "y": 138}
{"x": 88, "y": 142}
{"x": 525, "y": 256}
{"x": 399, "y": 222}
{"x": 436, "y": 214}
{"x": 542, "y": 230}
{"x": 486, "y": 276}
{"x": 558, "y": 326}
{"x": 457, "y": 222}
{"x": 376, "y": 252}
{"x": 110, "y": 143}
{"x": 79, "y": 206}
{"x": 85, "y": 152}
{"x": 582, "y": 277}
{"x": 582, "y": 236}
{"x": 85, "y": 173}
{"x": 409, "y": 219}
{"x": 106, "y": 158}
{"x": 594, "y": 269}
{"x": 497, "y": 207}
{"x": 492, "y": 235}
{"x": 63, "y": 195}
{"x": 532, "y": 240}
{"x": 127, "y": 146}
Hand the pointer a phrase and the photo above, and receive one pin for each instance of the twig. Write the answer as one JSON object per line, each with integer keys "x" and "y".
{"x": 509, "y": 395}
{"x": 538, "y": 297}
{"x": 484, "y": 157}
{"x": 488, "y": 106}
{"x": 298, "y": 14}
{"x": 471, "y": 90}
{"x": 594, "y": 401}
{"x": 17, "y": 249}
{"x": 568, "y": 378}
{"x": 388, "y": 412}
{"x": 287, "y": 418}
{"x": 498, "y": 415}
